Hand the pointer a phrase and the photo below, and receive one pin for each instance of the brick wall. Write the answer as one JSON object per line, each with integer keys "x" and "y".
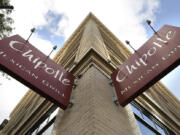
{"x": 94, "y": 111}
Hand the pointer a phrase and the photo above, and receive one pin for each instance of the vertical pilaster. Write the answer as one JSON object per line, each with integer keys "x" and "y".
{"x": 91, "y": 39}
{"x": 94, "y": 111}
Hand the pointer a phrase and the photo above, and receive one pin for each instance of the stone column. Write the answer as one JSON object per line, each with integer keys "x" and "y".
{"x": 94, "y": 112}
{"x": 91, "y": 39}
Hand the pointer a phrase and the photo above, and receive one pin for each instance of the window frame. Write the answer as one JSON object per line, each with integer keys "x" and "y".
{"x": 46, "y": 126}
{"x": 143, "y": 111}
{"x": 35, "y": 127}
{"x": 147, "y": 125}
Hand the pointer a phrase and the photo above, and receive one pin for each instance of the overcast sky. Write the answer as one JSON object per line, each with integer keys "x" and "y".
{"x": 55, "y": 20}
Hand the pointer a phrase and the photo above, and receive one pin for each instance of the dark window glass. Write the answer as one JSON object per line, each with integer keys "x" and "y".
{"x": 35, "y": 132}
{"x": 43, "y": 124}
{"x": 144, "y": 129}
{"x": 136, "y": 111}
{"x": 147, "y": 122}
{"x": 144, "y": 117}
{"x": 48, "y": 131}
{"x": 53, "y": 114}
{"x": 160, "y": 130}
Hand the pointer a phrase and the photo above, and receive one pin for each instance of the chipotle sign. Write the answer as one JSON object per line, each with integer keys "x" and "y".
{"x": 31, "y": 67}
{"x": 157, "y": 57}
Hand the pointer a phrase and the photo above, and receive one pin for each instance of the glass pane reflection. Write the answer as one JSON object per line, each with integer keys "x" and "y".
{"x": 48, "y": 131}
{"x": 145, "y": 130}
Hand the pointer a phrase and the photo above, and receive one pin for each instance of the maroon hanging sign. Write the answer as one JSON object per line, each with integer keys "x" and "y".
{"x": 157, "y": 57}
{"x": 31, "y": 67}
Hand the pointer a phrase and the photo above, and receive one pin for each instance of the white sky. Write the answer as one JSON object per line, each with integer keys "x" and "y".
{"x": 124, "y": 18}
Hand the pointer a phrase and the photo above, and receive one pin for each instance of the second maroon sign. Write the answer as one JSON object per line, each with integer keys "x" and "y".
{"x": 31, "y": 67}
{"x": 157, "y": 57}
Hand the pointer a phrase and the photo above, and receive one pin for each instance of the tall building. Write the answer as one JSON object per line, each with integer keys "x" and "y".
{"x": 92, "y": 53}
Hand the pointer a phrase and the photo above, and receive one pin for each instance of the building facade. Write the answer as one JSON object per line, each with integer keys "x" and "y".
{"x": 91, "y": 54}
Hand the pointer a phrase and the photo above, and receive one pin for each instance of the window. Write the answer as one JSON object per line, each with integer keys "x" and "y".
{"x": 147, "y": 123}
{"x": 48, "y": 131}
{"x": 45, "y": 124}
{"x": 144, "y": 129}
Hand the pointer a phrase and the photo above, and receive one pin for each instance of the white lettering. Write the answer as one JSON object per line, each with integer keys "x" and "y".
{"x": 117, "y": 77}
{"x": 141, "y": 77}
{"x": 49, "y": 70}
{"x": 152, "y": 51}
{"x": 125, "y": 90}
{"x": 36, "y": 59}
{"x": 66, "y": 81}
{"x": 12, "y": 43}
{"x": 12, "y": 60}
{"x": 164, "y": 41}
{"x": 130, "y": 70}
{"x": 137, "y": 63}
{"x": 143, "y": 59}
{"x": 40, "y": 64}
{"x": 56, "y": 74}
{"x": 26, "y": 54}
{"x": 170, "y": 35}
{"x": 35, "y": 76}
{"x": 47, "y": 84}
{"x": 157, "y": 44}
